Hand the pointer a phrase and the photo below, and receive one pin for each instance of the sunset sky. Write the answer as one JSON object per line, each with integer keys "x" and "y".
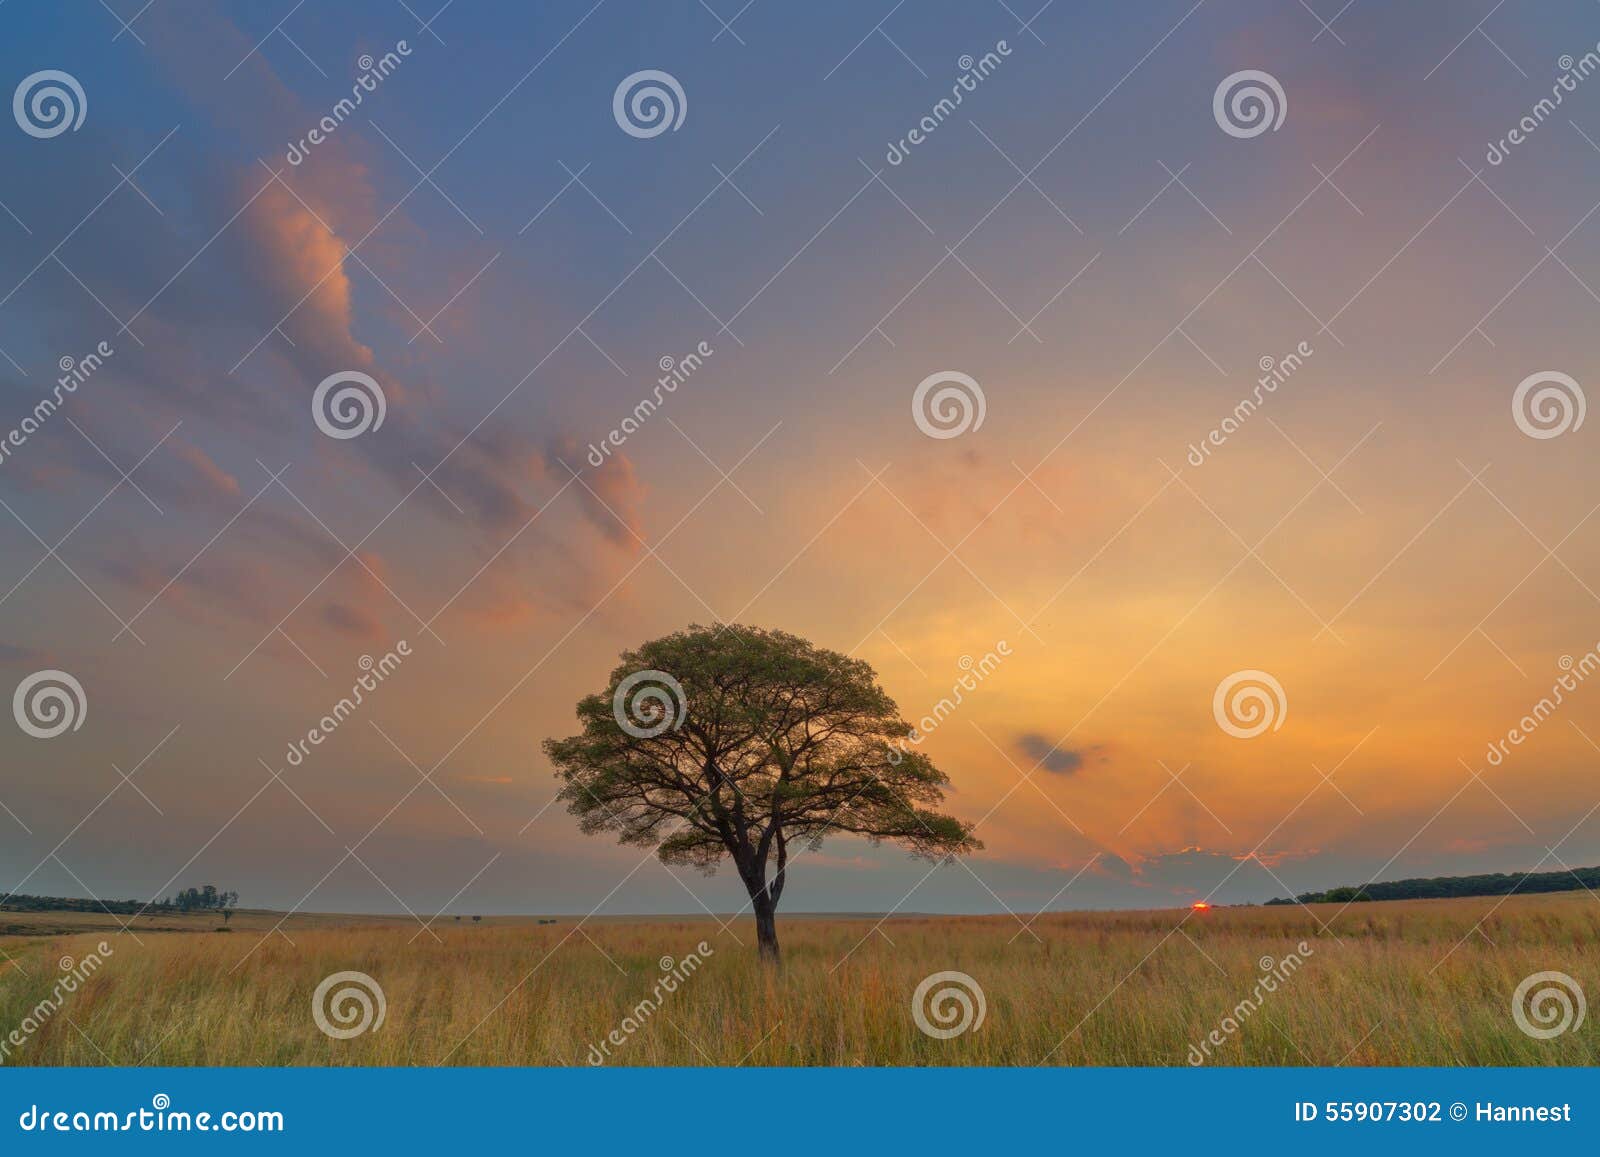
{"x": 1080, "y": 236}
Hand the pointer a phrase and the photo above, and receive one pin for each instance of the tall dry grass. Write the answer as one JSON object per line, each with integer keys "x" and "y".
{"x": 1422, "y": 982}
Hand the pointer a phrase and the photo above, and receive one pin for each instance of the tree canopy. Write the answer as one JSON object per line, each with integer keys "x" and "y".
{"x": 746, "y": 743}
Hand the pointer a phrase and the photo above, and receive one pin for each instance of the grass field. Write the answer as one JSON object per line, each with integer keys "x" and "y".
{"x": 1411, "y": 982}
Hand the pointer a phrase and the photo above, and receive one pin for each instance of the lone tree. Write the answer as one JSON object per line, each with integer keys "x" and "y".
{"x": 741, "y": 742}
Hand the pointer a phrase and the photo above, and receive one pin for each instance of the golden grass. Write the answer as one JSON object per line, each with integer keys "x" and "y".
{"x": 1403, "y": 983}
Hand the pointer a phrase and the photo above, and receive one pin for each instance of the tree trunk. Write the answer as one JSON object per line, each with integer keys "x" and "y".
{"x": 767, "y": 929}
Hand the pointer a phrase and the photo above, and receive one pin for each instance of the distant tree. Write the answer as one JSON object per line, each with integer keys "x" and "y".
{"x": 758, "y": 740}
{"x": 203, "y": 899}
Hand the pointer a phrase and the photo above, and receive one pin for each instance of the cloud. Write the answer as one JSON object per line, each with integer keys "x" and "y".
{"x": 1048, "y": 755}
{"x": 357, "y": 622}
{"x": 609, "y": 495}
{"x": 214, "y": 478}
{"x": 295, "y": 257}
{"x": 1197, "y": 870}
{"x": 213, "y": 583}
{"x": 10, "y": 653}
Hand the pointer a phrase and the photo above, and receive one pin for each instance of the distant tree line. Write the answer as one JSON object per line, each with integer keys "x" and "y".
{"x": 203, "y": 899}
{"x": 1440, "y": 887}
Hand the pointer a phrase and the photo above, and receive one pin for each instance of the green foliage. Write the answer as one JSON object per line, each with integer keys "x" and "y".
{"x": 203, "y": 899}
{"x": 776, "y": 740}
{"x": 1443, "y": 887}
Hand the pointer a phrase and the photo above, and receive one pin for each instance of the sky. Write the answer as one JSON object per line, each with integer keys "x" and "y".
{"x": 1392, "y": 542}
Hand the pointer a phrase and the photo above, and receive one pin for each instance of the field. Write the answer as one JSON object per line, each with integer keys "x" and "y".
{"x": 1426, "y": 982}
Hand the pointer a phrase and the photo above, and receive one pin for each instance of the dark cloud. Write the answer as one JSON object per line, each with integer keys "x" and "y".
{"x": 23, "y": 656}
{"x": 1048, "y": 755}
{"x": 609, "y": 495}
{"x": 357, "y": 622}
